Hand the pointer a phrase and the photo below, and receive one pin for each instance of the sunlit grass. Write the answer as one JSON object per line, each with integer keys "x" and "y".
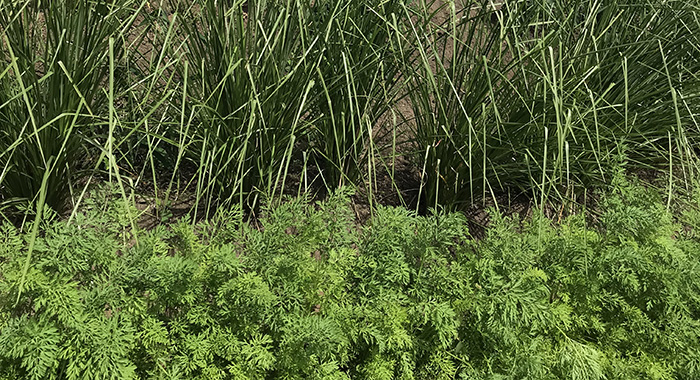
{"x": 54, "y": 96}
{"x": 540, "y": 98}
{"x": 226, "y": 99}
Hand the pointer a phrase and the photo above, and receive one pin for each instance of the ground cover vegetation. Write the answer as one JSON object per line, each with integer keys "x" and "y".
{"x": 113, "y": 111}
{"x": 310, "y": 295}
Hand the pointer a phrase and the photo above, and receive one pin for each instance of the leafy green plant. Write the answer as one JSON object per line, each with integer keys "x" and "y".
{"x": 308, "y": 294}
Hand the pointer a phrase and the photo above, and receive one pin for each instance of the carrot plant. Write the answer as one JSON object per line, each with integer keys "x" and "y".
{"x": 308, "y": 294}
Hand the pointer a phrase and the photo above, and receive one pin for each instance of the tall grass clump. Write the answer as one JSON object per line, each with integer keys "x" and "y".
{"x": 272, "y": 82}
{"x": 55, "y": 58}
{"x": 247, "y": 76}
{"x": 358, "y": 83}
{"x": 454, "y": 100}
{"x": 539, "y": 97}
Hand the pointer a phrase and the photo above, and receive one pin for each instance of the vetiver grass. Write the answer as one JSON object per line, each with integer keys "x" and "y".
{"x": 538, "y": 97}
{"x": 248, "y": 77}
{"x": 55, "y": 59}
{"x": 269, "y": 82}
{"x": 358, "y": 82}
{"x": 520, "y": 97}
